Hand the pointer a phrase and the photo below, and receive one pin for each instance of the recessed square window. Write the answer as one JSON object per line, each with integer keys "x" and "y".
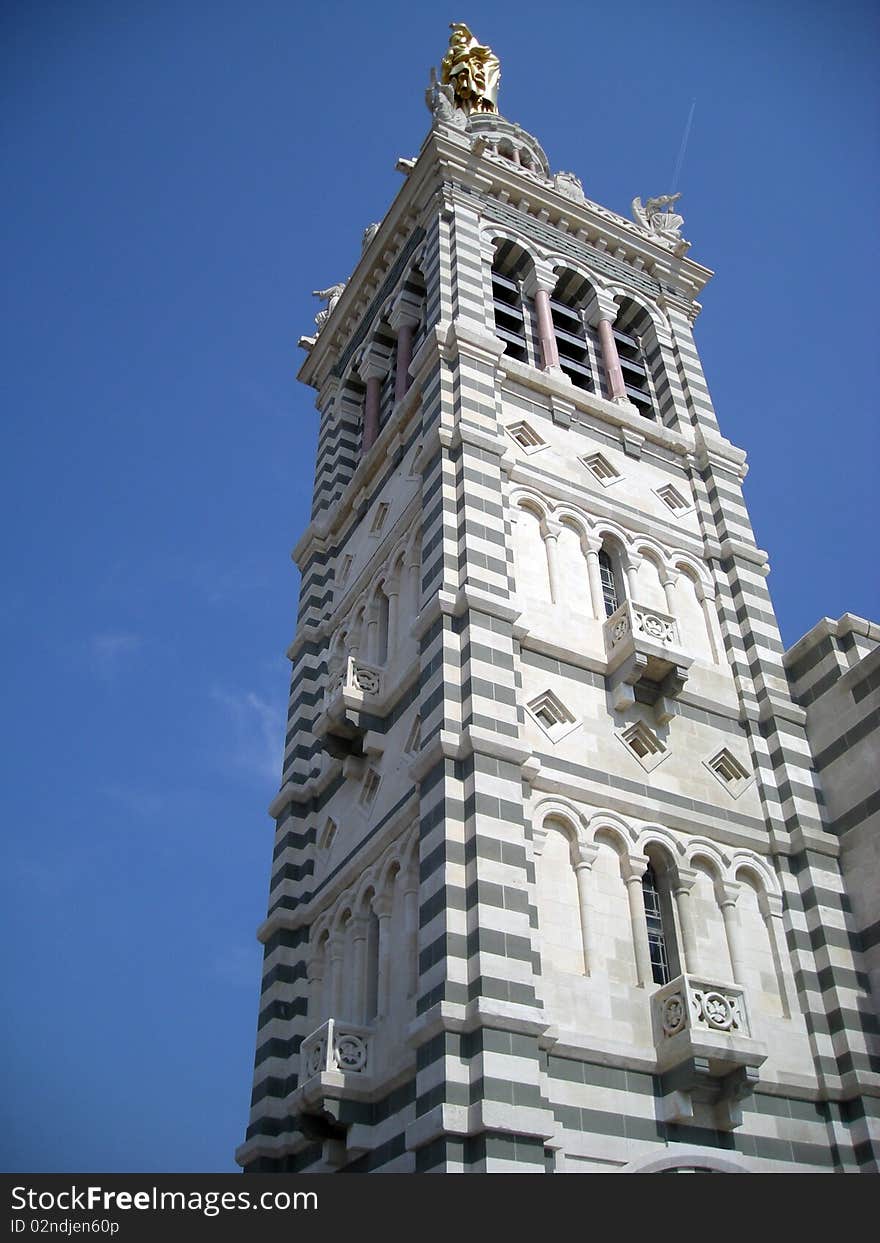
{"x": 600, "y": 468}
{"x": 370, "y": 788}
{"x": 328, "y": 835}
{"x": 526, "y": 437}
{"x": 552, "y": 715}
{"x": 414, "y": 737}
{"x": 673, "y": 499}
{"x": 732, "y": 774}
{"x": 379, "y": 518}
{"x": 643, "y": 744}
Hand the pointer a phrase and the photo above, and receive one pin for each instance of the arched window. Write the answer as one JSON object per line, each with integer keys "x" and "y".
{"x": 382, "y": 628}
{"x": 612, "y": 588}
{"x": 416, "y": 290}
{"x": 660, "y": 924}
{"x": 575, "y": 340}
{"x": 386, "y": 341}
{"x": 631, "y": 331}
{"x": 371, "y": 984}
{"x": 512, "y": 314}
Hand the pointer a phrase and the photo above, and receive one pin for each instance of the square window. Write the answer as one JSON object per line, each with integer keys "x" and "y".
{"x": 643, "y": 744}
{"x": 728, "y": 770}
{"x": 601, "y": 469}
{"x": 673, "y": 499}
{"x": 379, "y": 519}
{"x": 526, "y": 437}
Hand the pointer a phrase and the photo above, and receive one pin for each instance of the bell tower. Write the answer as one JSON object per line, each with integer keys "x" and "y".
{"x": 552, "y": 890}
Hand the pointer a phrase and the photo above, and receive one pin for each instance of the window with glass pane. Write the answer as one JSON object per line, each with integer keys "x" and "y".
{"x": 654, "y": 920}
{"x": 609, "y": 586}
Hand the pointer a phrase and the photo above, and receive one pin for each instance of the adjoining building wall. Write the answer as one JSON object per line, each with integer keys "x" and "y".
{"x": 834, "y": 672}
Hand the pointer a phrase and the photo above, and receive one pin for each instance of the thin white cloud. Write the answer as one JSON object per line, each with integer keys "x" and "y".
{"x": 110, "y": 651}
{"x": 257, "y": 732}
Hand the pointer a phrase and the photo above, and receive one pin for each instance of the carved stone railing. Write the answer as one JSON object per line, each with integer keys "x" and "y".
{"x": 643, "y": 649}
{"x": 354, "y": 676}
{"x": 707, "y": 1054}
{"x": 640, "y": 622}
{"x": 695, "y": 1003}
{"x": 336, "y": 1046}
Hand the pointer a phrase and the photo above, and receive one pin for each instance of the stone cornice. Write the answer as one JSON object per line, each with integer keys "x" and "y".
{"x": 447, "y": 154}
{"x": 499, "y": 177}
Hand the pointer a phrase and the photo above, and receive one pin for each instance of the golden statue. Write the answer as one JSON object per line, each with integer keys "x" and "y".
{"x": 472, "y": 70}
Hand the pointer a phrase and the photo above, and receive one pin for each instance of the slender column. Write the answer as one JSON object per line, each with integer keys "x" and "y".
{"x": 551, "y": 535}
{"x": 373, "y": 368}
{"x": 771, "y": 908}
{"x": 359, "y": 927}
{"x": 337, "y": 955}
{"x": 707, "y": 603}
{"x": 371, "y": 412}
{"x": 415, "y": 587}
{"x": 632, "y": 577}
{"x": 583, "y": 858}
{"x": 611, "y": 358}
{"x": 538, "y": 285}
{"x": 371, "y": 647}
{"x": 392, "y": 622}
{"x": 404, "y": 319}
{"x": 668, "y": 585}
{"x": 728, "y": 895}
{"x": 594, "y": 575}
{"x": 315, "y": 977}
{"x": 633, "y": 868}
{"x": 546, "y": 333}
{"x": 411, "y": 933}
{"x": 682, "y": 884}
{"x": 404, "y": 358}
{"x": 382, "y": 910}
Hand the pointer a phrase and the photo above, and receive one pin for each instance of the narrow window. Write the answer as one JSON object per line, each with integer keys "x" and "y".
{"x": 656, "y": 934}
{"x": 609, "y": 583}
{"x": 382, "y": 629}
{"x": 509, "y": 317}
{"x": 571, "y": 342}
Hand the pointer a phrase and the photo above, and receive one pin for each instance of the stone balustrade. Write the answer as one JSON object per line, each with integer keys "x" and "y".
{"x": 639, "y": 622}
{"x": 336, "y": 1046}
{"x": 692, "y": 1002}
{"x": 354, "y": 676}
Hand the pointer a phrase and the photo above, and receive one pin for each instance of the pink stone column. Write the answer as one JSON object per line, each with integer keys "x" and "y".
{"x": 371, "y": 412}
{"x": 404, "y": 358}
{"x": 546, "y": 334}
{"x": 611, "y": 359}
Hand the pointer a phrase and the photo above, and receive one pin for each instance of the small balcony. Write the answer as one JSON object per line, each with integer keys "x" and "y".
{"x": 336, "y": 1048}
{"x": 351, "y": 692}
{"x": 645, "y": 658}
{"x": 706, "y": 1051}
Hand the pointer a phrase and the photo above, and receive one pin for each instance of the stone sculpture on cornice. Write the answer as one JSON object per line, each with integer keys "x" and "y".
{"x": 440, "y": 99}
{"x": 657, "y": 218}
{"x": 332, "y": 294}
{"x": 472, "y": 70}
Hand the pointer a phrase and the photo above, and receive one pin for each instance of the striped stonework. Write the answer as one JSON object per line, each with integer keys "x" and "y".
{"x": 572, "y": 868}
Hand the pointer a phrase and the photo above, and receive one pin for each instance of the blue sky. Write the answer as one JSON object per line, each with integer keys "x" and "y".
{"x": 179, "y": 177}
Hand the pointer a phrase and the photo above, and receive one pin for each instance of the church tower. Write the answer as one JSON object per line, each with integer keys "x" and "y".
{"x": 552, "y": 891}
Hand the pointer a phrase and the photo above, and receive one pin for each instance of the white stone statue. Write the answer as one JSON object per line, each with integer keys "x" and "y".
{"x": 369, "y": 233}
{"x": 569, "y": 185}
{"x": 657, "y": 217}
{"x": 332, "y": 294}
{"x": 440, "y": 98}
